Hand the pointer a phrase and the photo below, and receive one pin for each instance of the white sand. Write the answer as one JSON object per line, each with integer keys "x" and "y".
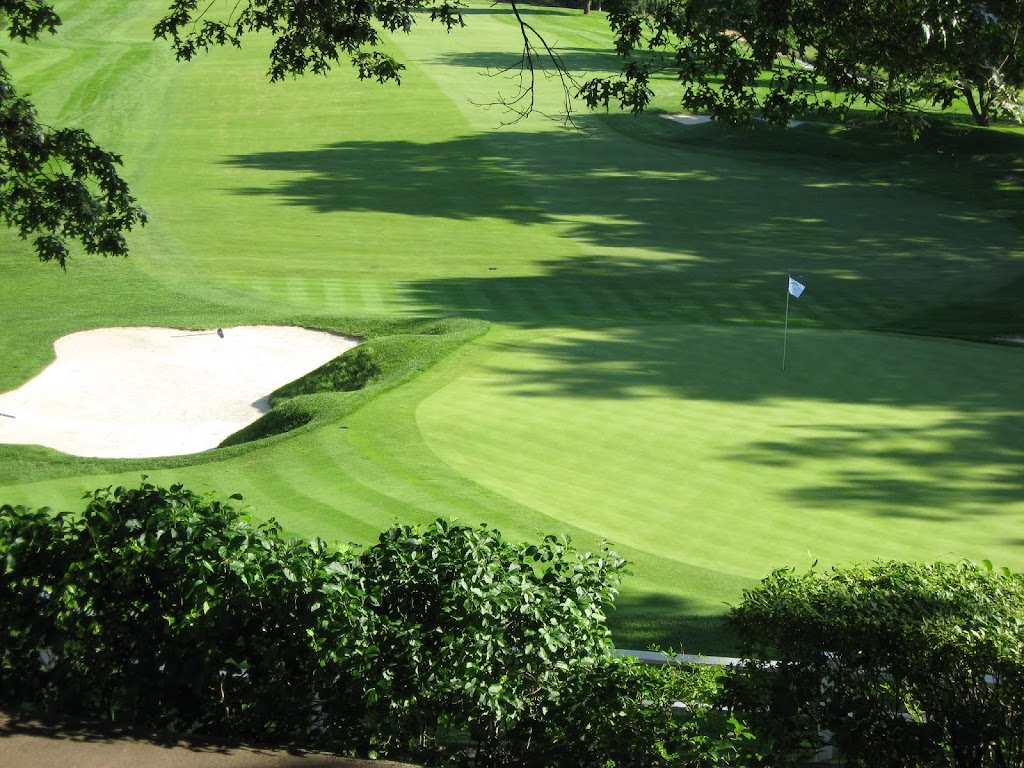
{"x": 143, "y": 392}
{"x": 689, "y": 119}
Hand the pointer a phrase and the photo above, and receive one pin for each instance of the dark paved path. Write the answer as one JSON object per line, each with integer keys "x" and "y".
{"x": 35, "y": 745}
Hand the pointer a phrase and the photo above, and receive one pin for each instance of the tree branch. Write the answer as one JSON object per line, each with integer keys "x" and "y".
{"x": 57, "y": 184}
{"x": 536, "y": 50}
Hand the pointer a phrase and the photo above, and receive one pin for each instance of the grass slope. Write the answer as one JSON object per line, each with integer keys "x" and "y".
{"x": 632, "y": 277}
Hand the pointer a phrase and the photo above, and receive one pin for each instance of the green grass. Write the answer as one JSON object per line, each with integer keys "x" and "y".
{"x": 615, "y": 368}
{"x": 922, "y": 433}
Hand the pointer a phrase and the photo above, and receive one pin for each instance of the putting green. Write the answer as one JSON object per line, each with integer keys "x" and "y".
{"x": 693, "y": 445}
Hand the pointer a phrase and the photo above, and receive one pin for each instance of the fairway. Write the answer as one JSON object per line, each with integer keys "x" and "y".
{"x": 580, "y": 327}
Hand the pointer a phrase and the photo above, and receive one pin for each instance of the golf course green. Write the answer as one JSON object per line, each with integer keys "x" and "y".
{"x": 581, "y": 327}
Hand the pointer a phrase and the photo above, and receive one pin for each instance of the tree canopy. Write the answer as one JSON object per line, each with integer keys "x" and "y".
{"x": 780, "y": 59}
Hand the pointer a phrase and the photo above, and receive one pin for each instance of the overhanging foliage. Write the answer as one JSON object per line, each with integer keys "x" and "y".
{"x": 56, "y": 184}
{"x": 780, "y": 59}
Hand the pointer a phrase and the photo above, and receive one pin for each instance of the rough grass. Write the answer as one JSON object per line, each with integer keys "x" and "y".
{"x": 626, "y": 382}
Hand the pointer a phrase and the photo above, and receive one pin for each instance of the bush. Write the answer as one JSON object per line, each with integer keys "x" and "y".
{"x": 159, "y": 607}
{"x": 477, "y": 635}
{"x": 624, "y": 713}
{"x": 164, "y": 609}
{"x": 904, "y": 664}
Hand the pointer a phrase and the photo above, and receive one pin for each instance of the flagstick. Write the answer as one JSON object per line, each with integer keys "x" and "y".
{"x": 785, "y": 333}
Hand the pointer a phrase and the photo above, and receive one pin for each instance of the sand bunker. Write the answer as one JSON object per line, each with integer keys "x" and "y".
{"x": 144, "y": 392}
{"x": 689, "y": 119}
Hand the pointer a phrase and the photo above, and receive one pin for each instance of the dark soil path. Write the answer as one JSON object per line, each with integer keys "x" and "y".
{"x": 30, "y": 744}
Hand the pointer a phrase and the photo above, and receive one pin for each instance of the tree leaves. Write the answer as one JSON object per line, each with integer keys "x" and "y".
{"x": 821, "y": 57}
{"x": 166, "y": 609}
{"x": 903, "y": 663}
{"x": 56, "y": 184}
{"x": 309, "y": 36}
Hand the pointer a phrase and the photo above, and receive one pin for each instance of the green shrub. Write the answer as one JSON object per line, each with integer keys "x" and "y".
{"x": 902, "y": 663}
{"x": 164, "y": 609}
{"x": 479, "y": 635}
{"x": 621, "y": 712}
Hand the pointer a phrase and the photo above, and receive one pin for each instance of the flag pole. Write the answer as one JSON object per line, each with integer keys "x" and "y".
{"x": 785, "y": 333}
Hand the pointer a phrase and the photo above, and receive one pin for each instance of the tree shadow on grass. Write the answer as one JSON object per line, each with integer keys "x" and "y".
{"x": 449, "y": 181}
{"x": 743, "y": 365}
{"x": 660, "y": 233}
{"x": 671, "y": 233}
{"x": 578, "y": 62}
{"x": 897, "y": 425}
{"x": 959, "y": 468}
{"x": 658, "y": 621}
